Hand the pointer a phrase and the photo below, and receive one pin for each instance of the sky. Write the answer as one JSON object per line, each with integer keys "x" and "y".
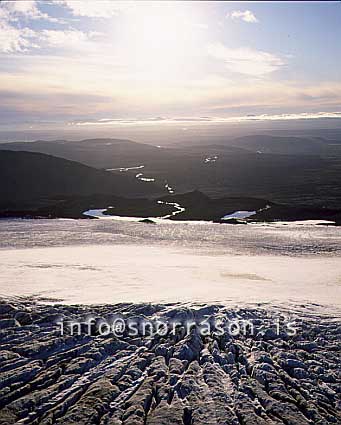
{"x": 110, "y": 63}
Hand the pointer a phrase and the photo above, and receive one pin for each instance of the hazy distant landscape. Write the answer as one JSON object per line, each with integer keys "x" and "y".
{"x": 298, "y": 177}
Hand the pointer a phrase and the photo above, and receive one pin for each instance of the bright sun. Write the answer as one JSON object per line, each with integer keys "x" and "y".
{"x": 160, "y": 41}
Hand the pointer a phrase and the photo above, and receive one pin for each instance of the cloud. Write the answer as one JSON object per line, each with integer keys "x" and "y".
{"x": 19, "y": 40}
{"x": 95, "y": 9}
{"x": 14, "y": 35}
{"x": 15, "y": 40}
{"x": 92, "y": 73}
{"x": 208, "y": 120}
{"x": 15, "y": 10}
{"x": 65, "y": 39}
{"x": 246, "y": 16}
{"x": 245, "y": 60}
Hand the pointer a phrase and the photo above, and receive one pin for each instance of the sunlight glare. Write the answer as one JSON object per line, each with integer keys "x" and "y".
{"x": 161, "y": 40}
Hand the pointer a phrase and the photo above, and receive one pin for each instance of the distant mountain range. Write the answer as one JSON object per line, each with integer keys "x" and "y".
{"x": 98, "y": 153}
{"x": 109, "y": 153}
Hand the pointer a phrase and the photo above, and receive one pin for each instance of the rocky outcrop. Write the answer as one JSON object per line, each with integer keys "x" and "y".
{"x": 186, "y": 374}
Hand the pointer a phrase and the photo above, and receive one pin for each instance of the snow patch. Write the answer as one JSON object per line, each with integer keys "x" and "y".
{"x": 169, "y": 188}
{"x": 122, "y": 169}
{"x": 239, "y": 214}
{"x": 211, "y": 159}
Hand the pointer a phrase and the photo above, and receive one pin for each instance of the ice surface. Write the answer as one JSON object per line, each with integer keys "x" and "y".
{"x": 108, "y": 262}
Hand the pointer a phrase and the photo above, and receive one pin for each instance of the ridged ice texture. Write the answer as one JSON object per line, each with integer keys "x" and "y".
{"x": 176, "y": 379}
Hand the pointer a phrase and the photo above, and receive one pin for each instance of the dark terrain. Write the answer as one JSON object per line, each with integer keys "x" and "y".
{"x": 35, "y": 179}
{"x": 299, "y": 177}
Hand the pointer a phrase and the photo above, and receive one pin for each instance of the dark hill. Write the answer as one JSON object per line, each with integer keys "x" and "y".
{"x": 99, "y": 153}
{"x": 33, "y": 177}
